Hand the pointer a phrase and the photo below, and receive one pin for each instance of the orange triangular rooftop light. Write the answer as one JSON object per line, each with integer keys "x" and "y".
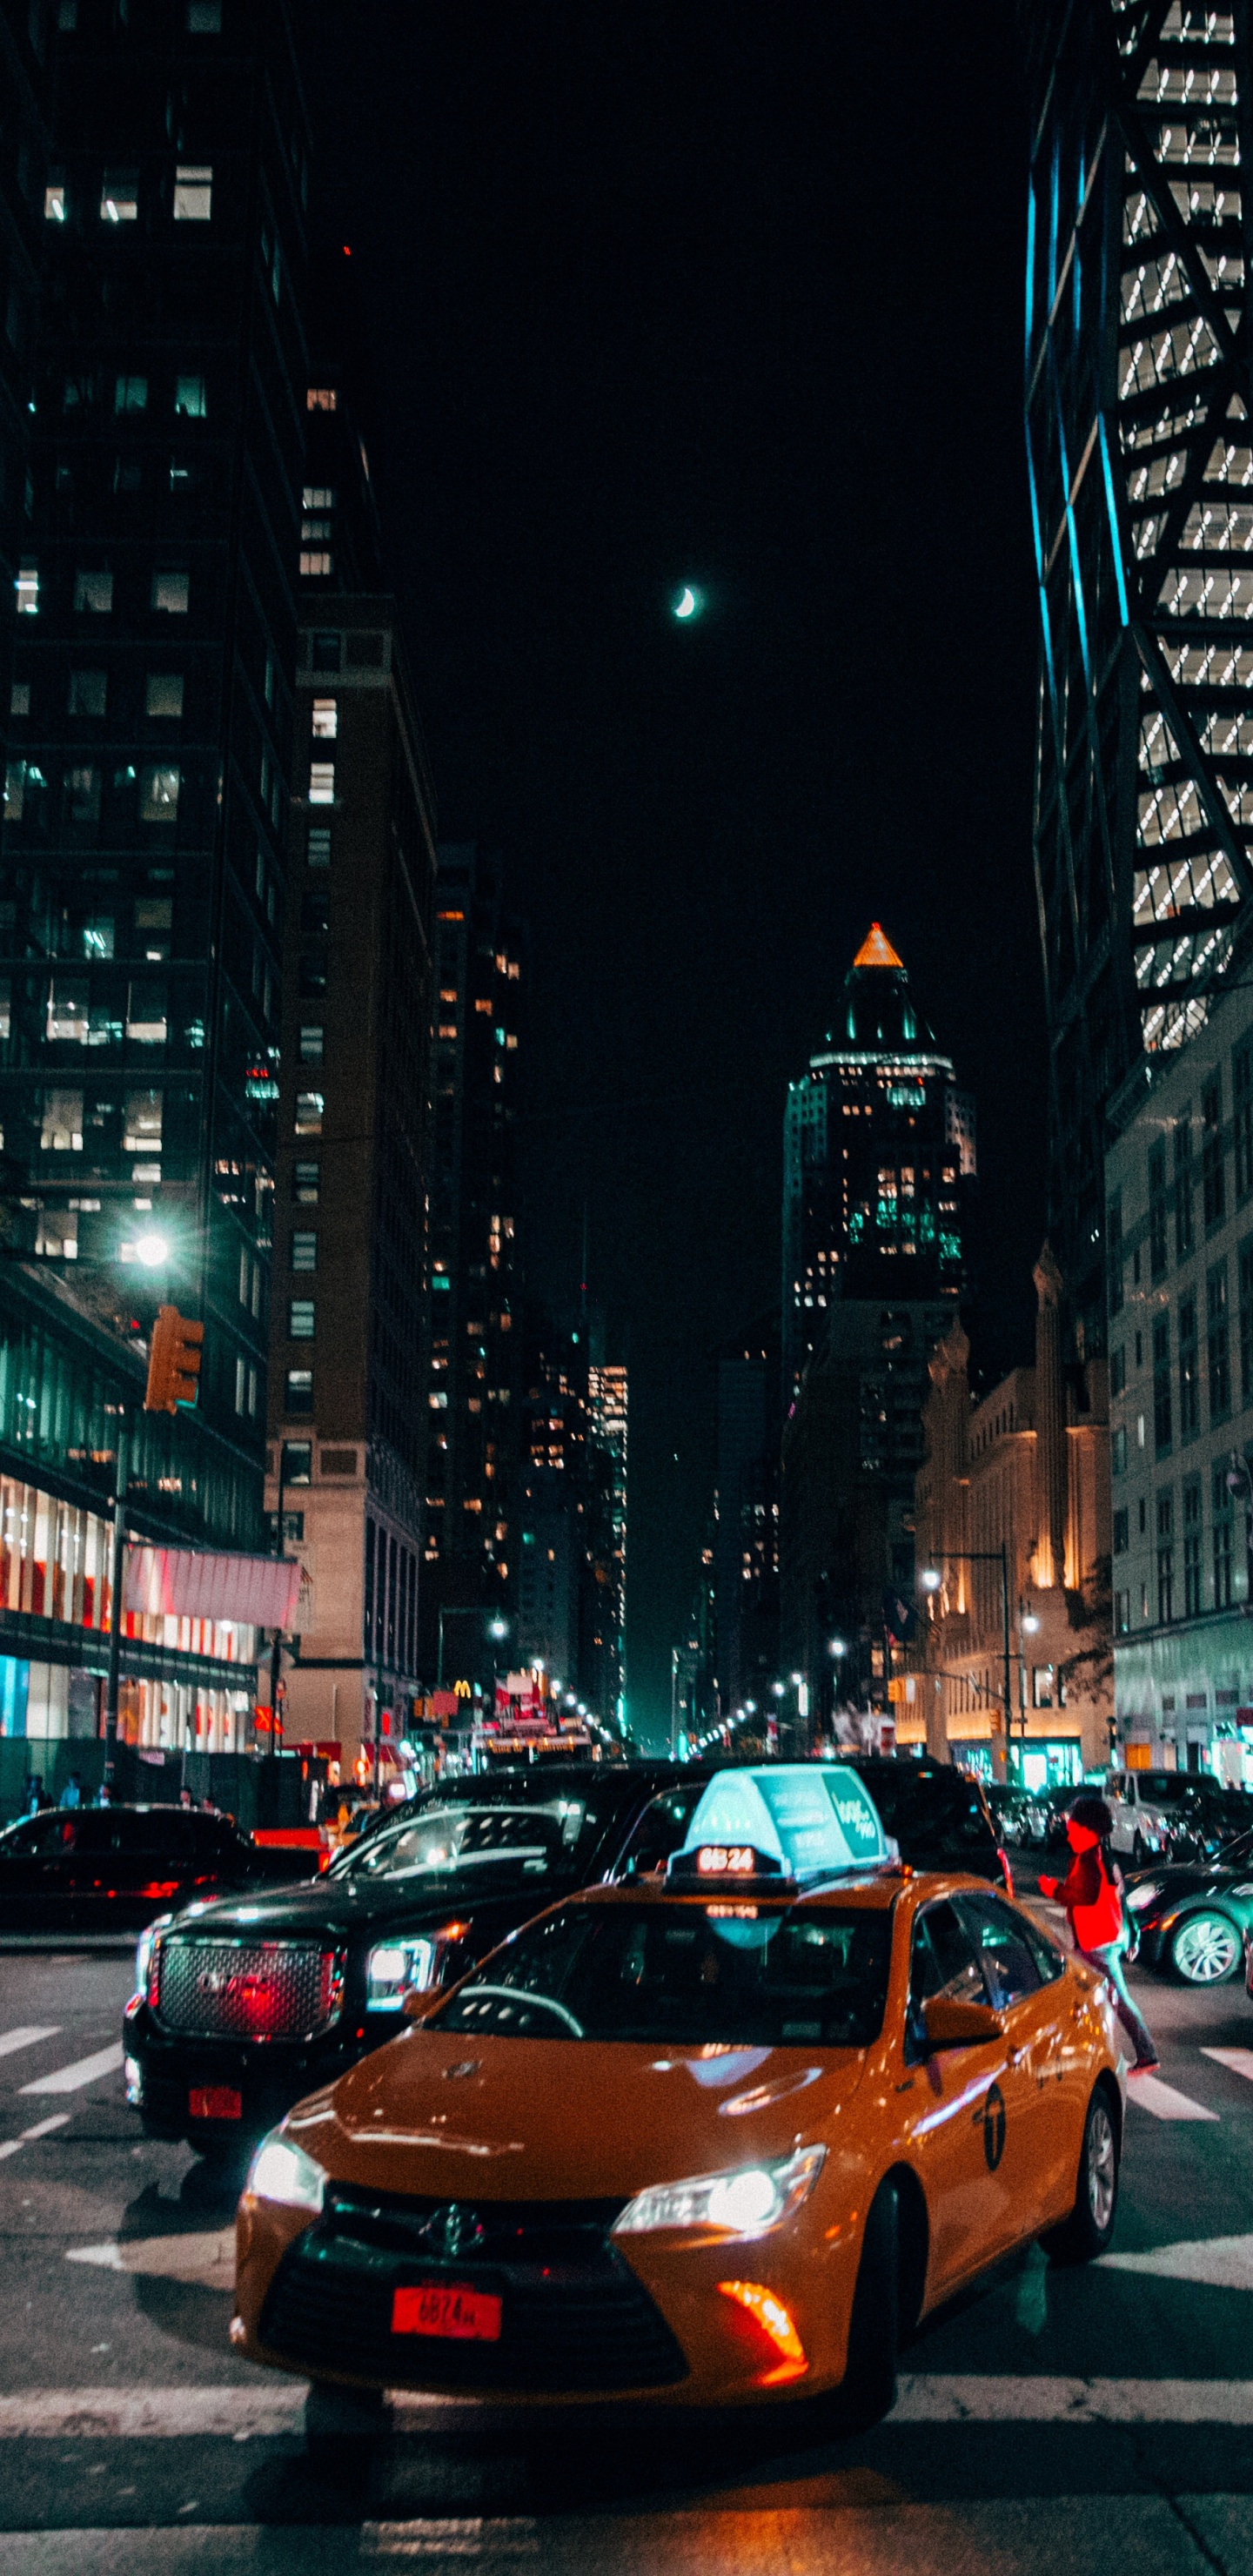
{"x": 875, "y": 950}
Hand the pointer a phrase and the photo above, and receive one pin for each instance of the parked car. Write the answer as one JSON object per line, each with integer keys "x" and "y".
{"x": 1010, "y": 1809}
{"x": 1173, "y": 1814}
{"x": 1194, "y": 1918}
{"x": 240, "y": 2009}
{"x": 112, "y": 1869}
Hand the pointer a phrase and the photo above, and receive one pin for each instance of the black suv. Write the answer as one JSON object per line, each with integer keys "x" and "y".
{"x": 112, "y": 1869}
{"x": 937, "y": 1817}
{"x": 241, "y": 2007}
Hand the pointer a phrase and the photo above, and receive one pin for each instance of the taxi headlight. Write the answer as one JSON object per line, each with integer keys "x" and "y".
{"x": 1139, "y": 1897}
{"x": 281, "y": 2171}
{"x": 747, "y": 2202}
{"x": 396, "y": 1969}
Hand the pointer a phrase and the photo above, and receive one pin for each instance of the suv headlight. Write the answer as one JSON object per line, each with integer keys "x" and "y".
{"x": 281, "y": 2171}
{"x": 1147, "y": 1894}
{"x": 396, "y": 1969}
{"x": 748, "y": 2202}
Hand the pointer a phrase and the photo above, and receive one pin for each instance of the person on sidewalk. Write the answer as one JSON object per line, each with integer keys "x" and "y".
{"x": 1091, "y": 1892}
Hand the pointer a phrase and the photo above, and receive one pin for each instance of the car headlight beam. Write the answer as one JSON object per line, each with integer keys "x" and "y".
{"x": 282, "y": 2172}
{"x": 747, "y": 2202}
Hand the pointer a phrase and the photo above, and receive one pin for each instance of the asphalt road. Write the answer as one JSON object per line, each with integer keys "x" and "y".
{"x": 1093, "y": 2420}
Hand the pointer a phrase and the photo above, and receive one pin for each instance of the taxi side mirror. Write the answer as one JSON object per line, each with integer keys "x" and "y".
{"x": 951, "y": 2024}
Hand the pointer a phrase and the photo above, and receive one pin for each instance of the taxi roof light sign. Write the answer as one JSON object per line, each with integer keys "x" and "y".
{"x": 786, "y": 1820}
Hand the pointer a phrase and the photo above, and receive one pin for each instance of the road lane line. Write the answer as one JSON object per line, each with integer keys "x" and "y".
{"x": 1150, "y": 2094}
{"x": 1238, "y": 2061}
{"x": 71, "y": 2079}
{"x": 26, "y": 2036}
{"x": 42, "y": 2129}
{"x": 1219, "y": 2262}
{"x": 247, "y": 2410}
{"x": 933, "y": 2400}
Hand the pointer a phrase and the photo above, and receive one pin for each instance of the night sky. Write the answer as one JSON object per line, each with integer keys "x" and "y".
{"x": 729, "y": 295}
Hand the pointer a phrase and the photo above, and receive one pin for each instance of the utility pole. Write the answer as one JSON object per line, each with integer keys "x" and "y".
{"x": 120, "y": 1475}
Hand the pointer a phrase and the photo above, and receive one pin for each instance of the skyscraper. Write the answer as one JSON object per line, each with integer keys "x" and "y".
{"x": 1140, "y": 458}
{"x": 878, "y": 1150}
{"x": 474, "y": 1369}
{"x": 145, "y": 811}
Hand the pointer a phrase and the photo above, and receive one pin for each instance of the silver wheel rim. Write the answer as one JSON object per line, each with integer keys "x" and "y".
{"x": 1206, "y": 1949}
{"x": 1102, "y": 2167}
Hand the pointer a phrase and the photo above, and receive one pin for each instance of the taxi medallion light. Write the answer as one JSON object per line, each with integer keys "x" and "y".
{"x": 768, "y": 2311}
{"x": 747, "y": 2202}
{"x": 282, "y": 2172}
{"x": 396, "y": 1969}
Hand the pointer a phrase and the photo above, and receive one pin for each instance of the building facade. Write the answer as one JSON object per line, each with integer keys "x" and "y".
{"x": 1179, "y": 1177}
{"x": 1138, "y": 397}
{"x": 1015, "y": 1671}
{"x": 746, "y": 1530}
{"x": 475, "y": 1365}
{"x": 142, "y": 868}
{"x": 878, "y": 1152}
{"x": 347, "y": 1406}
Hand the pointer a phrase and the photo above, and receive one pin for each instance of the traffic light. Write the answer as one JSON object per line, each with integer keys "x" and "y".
{"x": 173, "y": 1362}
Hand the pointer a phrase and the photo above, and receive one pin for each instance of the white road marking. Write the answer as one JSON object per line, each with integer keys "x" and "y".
{"x": 87, "y": 2070}
{"x": 251, "y": 2409}
{"x": 1238, "y": 2061}
{"x": 209, "y": 2260}
{"x": 925, "y": 2400}
{"x": 42, "y": 2129}
{"x": 1150, "y": 2094}
{"x": 470, "y": 2536}
{"x": 26, "y": 2035}
{"x": 1222, "y": 2262}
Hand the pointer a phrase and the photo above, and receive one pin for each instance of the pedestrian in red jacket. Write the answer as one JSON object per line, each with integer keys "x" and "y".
{"x": 1091, "y": 1892}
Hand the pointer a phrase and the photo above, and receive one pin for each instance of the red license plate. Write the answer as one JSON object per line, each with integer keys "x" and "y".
{"x": 447, "y": 2308}
{"x": 215, "y": 2102}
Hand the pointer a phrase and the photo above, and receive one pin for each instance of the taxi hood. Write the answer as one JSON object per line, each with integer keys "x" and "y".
{"x": 439, "y": 2115}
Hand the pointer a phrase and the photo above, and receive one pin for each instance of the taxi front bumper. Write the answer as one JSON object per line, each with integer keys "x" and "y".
{"x": 583, "y": 2315}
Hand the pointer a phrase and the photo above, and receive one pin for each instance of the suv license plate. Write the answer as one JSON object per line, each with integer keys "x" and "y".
{"x": 447, "y": 2308}
{"x": 215, "y": 2102}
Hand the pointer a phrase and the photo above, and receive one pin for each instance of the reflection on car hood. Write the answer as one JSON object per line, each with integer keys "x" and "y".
{"x": 1188, "y": 1878}
{"x": 443, "y": 2114}
{"x": 354, "y": 1904}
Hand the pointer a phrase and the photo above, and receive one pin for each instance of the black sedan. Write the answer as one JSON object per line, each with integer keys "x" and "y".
{"x": 1194, "y": 1916}
{"x": 112, "y": 1869}
{"x": 242, "y": 2006}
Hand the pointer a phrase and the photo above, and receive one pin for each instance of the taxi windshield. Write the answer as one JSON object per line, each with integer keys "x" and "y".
{"x": 729, "y": 1974}
{"x": 537, "y": 1840}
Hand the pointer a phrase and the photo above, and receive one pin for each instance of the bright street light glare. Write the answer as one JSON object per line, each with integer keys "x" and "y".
{"x": 498, "y": 1628}
{"x": 930, "y": 1579}
{"x": 152, "y": 1250}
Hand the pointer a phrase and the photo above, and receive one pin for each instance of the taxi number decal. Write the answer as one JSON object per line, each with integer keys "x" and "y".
{"x": 735, "y": 1858}
{"x": 993, "y": 2118}
{"x": 449, "y": 2308}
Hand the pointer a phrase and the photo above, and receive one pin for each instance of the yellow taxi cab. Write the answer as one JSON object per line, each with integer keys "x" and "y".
{"x": 717, "y": 2138}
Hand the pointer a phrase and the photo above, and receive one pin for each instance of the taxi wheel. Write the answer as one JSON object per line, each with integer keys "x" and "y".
{"x": 868, "y": 2389}
{"x": 355, "y": 2417}
{"x": 1088, "y": 2230}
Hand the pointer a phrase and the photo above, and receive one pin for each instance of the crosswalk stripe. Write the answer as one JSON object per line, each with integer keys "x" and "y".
{"x": 1150, "y": 2094}
{"x": 86, "y": 2070}
{"x": 245, "y": 2410}
{"x": 42, "y": 2129}
{"x": 26, "y": 2035}
{"x": 1238, "y": 2061}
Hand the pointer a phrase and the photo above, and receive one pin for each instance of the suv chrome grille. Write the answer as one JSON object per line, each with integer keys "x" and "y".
{"x": 248, "y": 1989}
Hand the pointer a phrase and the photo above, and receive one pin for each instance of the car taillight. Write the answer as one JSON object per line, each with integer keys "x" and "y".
{"x": 1006, "y": 1872}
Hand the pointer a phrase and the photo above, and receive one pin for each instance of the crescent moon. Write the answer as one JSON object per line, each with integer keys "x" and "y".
{"x": 686, "y": 606}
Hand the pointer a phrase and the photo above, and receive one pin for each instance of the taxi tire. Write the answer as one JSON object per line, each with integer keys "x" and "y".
{"x": 868, "y": 2389}
{"x": 350, "y": 2417}
{"x": 1079, "y": 2238}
